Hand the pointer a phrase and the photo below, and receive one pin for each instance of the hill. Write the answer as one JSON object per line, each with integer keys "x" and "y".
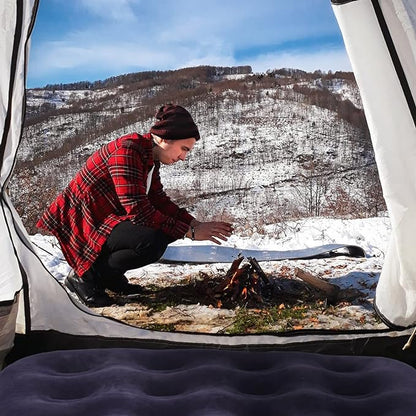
{"x": 274, "y": 146}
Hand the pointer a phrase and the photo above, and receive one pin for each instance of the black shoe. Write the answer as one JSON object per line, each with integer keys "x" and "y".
{"x": 87, "y": 290}
{"x": 121, "y": 285}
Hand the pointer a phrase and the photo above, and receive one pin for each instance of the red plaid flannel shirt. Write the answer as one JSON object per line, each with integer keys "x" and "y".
{"x": 109, "y": 189}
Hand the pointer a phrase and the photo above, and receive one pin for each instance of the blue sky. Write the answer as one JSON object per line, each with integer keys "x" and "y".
{"x": 90, "y": 40}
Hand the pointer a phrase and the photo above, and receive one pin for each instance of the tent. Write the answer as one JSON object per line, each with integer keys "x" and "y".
{"x": 36, "y": 313}
{"x": 380, "y": 39}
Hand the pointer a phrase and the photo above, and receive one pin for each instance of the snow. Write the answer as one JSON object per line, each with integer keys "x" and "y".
{"x": 371, "y": 234}
{"x": 49, "y": 251}
{"x": 57, "y": 98}
{"x": 362, "y": 274}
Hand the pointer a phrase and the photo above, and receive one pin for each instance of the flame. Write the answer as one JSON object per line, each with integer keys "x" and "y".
{"x": 244, "y": 293}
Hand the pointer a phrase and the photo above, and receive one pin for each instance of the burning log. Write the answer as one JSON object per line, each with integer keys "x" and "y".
{"x": 248, "y": 284}
{"x": 256, "y": 267}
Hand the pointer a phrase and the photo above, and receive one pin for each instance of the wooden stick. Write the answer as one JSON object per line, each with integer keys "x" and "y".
{"x": 256, "y": 266}
{"x": 330, "y": 290}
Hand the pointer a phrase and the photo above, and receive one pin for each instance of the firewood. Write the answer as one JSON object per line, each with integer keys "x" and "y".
{"x": 331, "y": 291}
{"x": 256, "y": 266}
{"x": 234, "y": 266}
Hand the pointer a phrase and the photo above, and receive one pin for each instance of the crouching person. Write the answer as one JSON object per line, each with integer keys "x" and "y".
{"x": 114, "y": 214}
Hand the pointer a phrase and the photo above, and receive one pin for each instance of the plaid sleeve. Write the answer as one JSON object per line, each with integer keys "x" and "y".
{"x": 129, "y": 175}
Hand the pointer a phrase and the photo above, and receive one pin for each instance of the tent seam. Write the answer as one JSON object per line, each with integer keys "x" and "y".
{"x": 395, "y": 59}
{"x": 29, "y": 32}
{"x": 16, "y": 45}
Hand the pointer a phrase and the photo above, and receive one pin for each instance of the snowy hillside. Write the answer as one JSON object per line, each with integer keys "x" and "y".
{"x": 275, "y": 146}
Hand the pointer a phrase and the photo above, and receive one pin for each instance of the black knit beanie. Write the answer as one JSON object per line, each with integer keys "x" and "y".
{"x": 174, "y": 123}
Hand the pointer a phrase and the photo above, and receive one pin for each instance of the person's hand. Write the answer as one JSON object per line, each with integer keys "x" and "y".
{"x": 213, "y": 231}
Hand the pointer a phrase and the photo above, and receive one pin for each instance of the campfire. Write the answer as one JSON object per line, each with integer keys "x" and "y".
{"x": 243, "y": 299}
{"x": 247, "y": 285}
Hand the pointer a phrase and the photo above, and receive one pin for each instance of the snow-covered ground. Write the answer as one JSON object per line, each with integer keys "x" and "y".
{"x": 355, "y": 274}
{"x": 371, "y": 234}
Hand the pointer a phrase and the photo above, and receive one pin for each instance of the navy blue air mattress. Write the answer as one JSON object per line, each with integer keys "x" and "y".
{"x": 197, "y": 382}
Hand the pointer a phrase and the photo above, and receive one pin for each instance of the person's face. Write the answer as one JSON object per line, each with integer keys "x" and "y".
{"x": 169, "y": 152}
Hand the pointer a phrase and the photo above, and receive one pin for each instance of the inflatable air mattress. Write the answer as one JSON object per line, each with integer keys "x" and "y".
{"x": 202, "y": 382}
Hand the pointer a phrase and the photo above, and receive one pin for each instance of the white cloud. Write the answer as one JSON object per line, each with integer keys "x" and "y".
{"x": 325, "y": 60}
{"x": 243, "y": 22}
{"x": 113, "y": 58}
{"x": 129, "y": 57}
{"x": 117, "y": 10}
{"x": 126, "y": 57}
{"x": 132, "y": 35}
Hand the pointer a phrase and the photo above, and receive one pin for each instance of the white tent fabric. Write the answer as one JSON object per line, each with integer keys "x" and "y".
{"x": 16, "y": 22}
{"x": 14, "y": 27}
{"x": 380, "y": 39}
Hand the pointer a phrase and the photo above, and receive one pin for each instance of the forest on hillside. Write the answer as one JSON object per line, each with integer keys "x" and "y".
{"x": 319, "y": 162}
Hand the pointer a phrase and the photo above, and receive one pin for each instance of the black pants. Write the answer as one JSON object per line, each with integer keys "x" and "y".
{"x": 130, "y": 246}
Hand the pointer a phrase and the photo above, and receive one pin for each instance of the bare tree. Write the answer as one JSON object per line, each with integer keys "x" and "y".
{"x": 310, "y": 194}
{"x": 371, "y": 193}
